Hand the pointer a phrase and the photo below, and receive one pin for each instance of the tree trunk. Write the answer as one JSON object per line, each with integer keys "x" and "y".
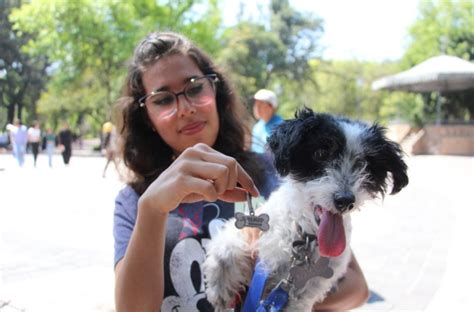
{"x": 10, "y": 112}
{"x": 20, "y": 112}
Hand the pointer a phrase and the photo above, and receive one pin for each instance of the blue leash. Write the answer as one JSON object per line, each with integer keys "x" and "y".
{"x": 252, "y": 300}
{"x": 275, "y": 301}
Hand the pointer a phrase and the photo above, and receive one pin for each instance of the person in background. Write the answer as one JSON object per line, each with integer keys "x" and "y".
{"x": 19, "y": 139}
{"x": 34, "y": 139}
{"x": 109, "y": 145}
{"x": 265, "y": 107}
{"x": 182, "y": 138}
{"x": 50, "y": 141}
{"x": 65, "y": 143}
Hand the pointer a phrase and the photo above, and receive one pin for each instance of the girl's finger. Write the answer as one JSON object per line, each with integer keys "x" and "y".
{"x": 215, "y": 173}
{"x": 242, "y": 177}
{"x": 229, "y": 162}
{"x": 208, "y": 154}
{"x": 201, "y": 190}
{"x": 235, "y": 195}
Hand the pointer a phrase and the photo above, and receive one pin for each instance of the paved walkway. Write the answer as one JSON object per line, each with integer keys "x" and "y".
{"x": 415, "y": 250}
{"x": 56, "y": 244}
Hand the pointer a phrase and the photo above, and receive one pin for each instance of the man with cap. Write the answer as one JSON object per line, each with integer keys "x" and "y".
{"x": 264, "y": 109}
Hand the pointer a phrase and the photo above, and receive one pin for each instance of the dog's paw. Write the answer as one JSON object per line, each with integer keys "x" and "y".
{"x": 227, "y": 268}
{"x": 218, "y": 292}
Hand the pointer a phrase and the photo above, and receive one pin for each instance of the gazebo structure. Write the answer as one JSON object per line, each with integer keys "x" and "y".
{"x": 440, "y": 73}
{"x": 443, "y": 73}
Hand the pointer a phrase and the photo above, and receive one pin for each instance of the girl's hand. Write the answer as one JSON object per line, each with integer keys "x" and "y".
{"x": 199, "y": 173}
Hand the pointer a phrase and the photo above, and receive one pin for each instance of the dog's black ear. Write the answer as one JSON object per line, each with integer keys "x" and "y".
{"x": 385, "y": 156}
{"x": 304, "y": 113}
{"x": 397, "y": 167}
{"x": 278, "y": 143}
{"x": 285, "y": 138}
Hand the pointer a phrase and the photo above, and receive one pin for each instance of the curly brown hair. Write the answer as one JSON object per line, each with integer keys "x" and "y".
{"x": 143, "y": 151}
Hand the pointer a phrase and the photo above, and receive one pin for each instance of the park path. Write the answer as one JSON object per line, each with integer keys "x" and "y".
{"x": 414, "y": 248}
{"x": 57, "y": 243}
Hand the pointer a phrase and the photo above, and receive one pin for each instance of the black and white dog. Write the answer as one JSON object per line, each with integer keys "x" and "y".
{"x": 330, "y": 166}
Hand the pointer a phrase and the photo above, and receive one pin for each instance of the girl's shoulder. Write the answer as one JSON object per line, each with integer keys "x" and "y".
{"x": 127, "y": 191}
{"x": 127, "y": 199}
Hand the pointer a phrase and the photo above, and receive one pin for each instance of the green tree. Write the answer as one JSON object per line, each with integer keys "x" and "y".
{"x": 22, "y": 77}
{"x": 344, "y": 88}
{"x": 251, "y": 55}
{"x": 89, "y": 42}
{"x": 444, "y": 27}
{"x": 300, "y": 34}
{"x": 272, "y": 51}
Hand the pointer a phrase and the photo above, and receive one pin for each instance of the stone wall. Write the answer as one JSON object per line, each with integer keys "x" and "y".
{"x": 434, "y": 140}
{"x": 446, "y": 140}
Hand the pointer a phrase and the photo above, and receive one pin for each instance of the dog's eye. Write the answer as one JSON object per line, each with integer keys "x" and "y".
{"x": 360, "y": 164}
{"x": 321, "y": 154}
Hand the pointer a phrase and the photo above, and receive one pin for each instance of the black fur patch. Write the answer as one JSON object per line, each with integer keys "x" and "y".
{"x": 311, "y": 143}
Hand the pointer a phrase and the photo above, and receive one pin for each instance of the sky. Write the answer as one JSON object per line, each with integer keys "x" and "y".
{"x": 366, "y": 30}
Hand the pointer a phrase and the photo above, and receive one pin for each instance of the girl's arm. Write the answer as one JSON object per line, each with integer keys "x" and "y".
{"x": 139, "y": 275}
{"x": 199, "y": 173}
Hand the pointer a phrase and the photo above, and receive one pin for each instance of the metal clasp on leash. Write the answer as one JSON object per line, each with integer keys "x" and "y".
{"x": 277, "y": 299}
{"x": 302, "y": 268}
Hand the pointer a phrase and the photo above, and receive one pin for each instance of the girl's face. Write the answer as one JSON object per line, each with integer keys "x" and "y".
{"x": 190, "y": 124}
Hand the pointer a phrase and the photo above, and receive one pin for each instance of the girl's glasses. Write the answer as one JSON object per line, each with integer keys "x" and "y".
{"x": 198, "y": 91}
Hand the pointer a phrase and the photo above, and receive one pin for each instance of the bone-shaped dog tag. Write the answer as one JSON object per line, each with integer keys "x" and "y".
{"x": 301, "y": 274}
{"x": 260, "y": 221}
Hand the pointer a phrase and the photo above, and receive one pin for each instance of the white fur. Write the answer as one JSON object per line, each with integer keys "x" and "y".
{"x": 229, "y": 264}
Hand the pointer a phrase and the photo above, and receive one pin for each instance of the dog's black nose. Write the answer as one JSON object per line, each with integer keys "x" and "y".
{"x": 344, "y": 201}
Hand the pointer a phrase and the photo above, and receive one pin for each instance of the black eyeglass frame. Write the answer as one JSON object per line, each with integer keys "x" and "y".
{"x": 212, "y": 77}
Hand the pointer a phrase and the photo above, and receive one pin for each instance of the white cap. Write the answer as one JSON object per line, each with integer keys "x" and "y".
{"x": 266, "y": 96}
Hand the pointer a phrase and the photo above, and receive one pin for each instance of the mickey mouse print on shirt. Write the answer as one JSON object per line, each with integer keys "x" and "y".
{"x": 189, "y": 229}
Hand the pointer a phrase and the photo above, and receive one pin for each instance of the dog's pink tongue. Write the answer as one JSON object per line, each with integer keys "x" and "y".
{"x": 331, "y": 235}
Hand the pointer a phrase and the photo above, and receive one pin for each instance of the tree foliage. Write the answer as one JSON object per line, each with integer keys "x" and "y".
{"x": 89, "y": 43}
{"x": 81, "y": 48}
{"x": 344, "y": 88}
{"x": 22, "y": 77}
{"x": 444, "y": 27}
{"x": 264, "y": 53}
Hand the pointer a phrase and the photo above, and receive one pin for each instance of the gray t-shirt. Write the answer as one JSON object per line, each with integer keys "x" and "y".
{"x": 189, "y": 229}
